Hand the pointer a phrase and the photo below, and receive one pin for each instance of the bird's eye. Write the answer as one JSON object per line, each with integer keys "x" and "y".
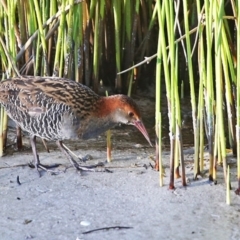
{"x": 130, "y": 114}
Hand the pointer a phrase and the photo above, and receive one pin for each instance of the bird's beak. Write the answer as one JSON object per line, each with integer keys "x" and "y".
{"x": 140, "y": 126}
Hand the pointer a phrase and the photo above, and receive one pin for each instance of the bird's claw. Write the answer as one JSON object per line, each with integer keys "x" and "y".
{"x": 44, "y": 167}
{"x": 89, "y": 168}
{"x": 85, "y": 158}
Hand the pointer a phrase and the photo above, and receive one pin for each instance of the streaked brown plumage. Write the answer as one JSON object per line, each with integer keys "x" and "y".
{"x": 58, "y": 109}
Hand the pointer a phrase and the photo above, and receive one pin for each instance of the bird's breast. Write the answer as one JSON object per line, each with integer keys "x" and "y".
{"x": 93, "y": 127}
{"x": 69, "y": 125}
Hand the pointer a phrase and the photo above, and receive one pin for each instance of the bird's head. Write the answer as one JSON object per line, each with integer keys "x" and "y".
{"x": 124, "y": 110}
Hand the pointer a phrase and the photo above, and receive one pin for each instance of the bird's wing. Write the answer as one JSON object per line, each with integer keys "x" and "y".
{"x": 37, "y": 94}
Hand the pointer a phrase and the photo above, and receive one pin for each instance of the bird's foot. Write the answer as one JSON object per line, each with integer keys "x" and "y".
{"x": 47, "y": 168}
{"x": 85, "y": 158}
{"x": 66, "y": 151}
{"x": 89, "y": 168}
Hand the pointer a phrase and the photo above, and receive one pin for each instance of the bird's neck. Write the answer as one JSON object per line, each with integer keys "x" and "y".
{"x": 102, "y": 118}
{"x": 107, "y": 106}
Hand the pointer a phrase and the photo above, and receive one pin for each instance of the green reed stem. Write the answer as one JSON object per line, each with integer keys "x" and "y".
{"x": 131, "y": 43}
{"x": 179, "y": 121}
{"x": 174, "y": 86}
{"x": 228, "y": 196}
{"x": 21, "y": 5}
{"x": 159, "y": 146}
{"x": 192, "y": 88}
{"x": 98, "y": 41}
{"x": 230, "y": 80}
{"x": 128, "y": 19}
{"x": 161, "y": 18}
{"x": 238, "y": 102}
{"x": 109, "y": 143}
{"x": 3, "y": 130}
{"x": 209, "y": 92}
{"x": 68, "y": 57}
{"x": 202, "y": 79}
{"x": 117, "y": 26}
{"x": 37, "y": 65}
{"x": 42, "y": 36}
{"x": 158, "y": 122}
{"x": 78, "y": 40}
{"x": 93, "y": 4}
{"x": 219, "y": 83}
{"x": 146, "y": 43}
{"x": 57, "y": 69}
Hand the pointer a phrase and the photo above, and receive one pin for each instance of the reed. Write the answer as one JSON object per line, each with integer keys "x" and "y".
{"x": 161, "y": 20}
{"x": 42, "y": 38}
{"x": 192, "y": 87}
{"x": 214, "y": 89}
{"x": 238, "y": 103}
{"x": 219, "y": 30}
{"x": 158, "y": 122}
{"x": 58, "y": 60}
{"x": 98, "y": 42}
{"x": 78, "y": 39}
{"x": 228, "y": 188}
{"x": 201, "y": 108}
{"x": 209, "y": 92}
{"x": 117, "y": 26}
{"x": 68, "y": 56}
{"x": 179, "y": 145}
{"x": 172, "y": 98}
{"x": 109, "y": 143}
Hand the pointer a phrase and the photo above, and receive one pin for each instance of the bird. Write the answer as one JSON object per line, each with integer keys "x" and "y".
{"x": 57, "y": 109}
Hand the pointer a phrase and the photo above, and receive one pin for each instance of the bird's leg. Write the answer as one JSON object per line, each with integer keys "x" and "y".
{"x": 36, "y": 158}
{"x": 45, "y": 145}
{"x": 82, "y": 159}
{"x": 73, "y": 162}
{"x": 19, "y": 138}
{"x": 34, "y": 150}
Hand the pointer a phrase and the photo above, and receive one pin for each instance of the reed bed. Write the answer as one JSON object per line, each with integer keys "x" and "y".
{"x": 194, "y": 44}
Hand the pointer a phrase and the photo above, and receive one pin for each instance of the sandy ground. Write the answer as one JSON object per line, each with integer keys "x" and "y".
{"x": 66, "y": 205}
